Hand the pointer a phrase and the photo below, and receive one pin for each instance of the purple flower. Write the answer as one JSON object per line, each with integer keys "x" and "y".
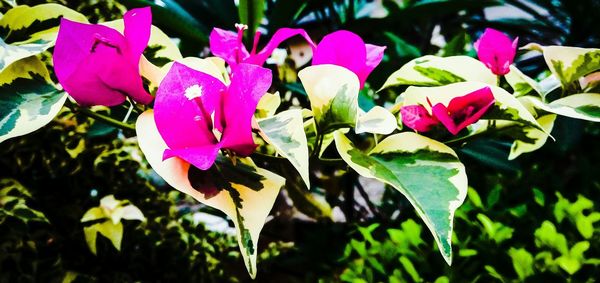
{"x": 97, "y": 65}
{"x": 496, "y": 51}
{"x": 461, "y": 112}
{"x": 229, "y": 46}
{"x": 346, "y": 49}
{"x": 197, "y": 114}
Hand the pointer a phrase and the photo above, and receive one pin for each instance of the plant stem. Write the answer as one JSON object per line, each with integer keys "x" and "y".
{"x": 97, "y": 116}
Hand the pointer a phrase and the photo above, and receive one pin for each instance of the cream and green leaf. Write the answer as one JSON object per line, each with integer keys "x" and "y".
{"x": 245, "y": 192}
{"x": 436, "y": 71}
{"x": 584, "y": 106}
{"x": 377, "y": 121}
{"x": 333, "y": 94}
{"x": 521, "y": 83}
{"x": 28, "y": 99}
{"x": 531, "y": 138}
{"x": 425, "y": 171}
{"x": 285, "y": 132}
{"x": 27, "y": 31}
{"x": 569, "y": 64}
{"x": 107, "y": 217}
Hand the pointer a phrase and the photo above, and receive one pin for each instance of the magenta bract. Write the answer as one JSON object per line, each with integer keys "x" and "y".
{"x": 496, "y": 50}
{"x": 97, "y": 65}
{"x": 197, "y": 115}
{"x": 461, "y": 112}
{"x": 229, "y": 46}
{"x": 346, "y": 49}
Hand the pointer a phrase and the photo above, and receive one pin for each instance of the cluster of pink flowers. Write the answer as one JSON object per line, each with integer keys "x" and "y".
{"x": 197, "y": 114}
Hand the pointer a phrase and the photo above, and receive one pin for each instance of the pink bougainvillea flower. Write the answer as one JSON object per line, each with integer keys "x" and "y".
{"x": 461, "y": 112}
{"x": 496, "y": 51}
{"x": 197, "y": 115}
{"x": 346, "y": 49}
{"x": 418, "y": 118}
{"x": 97, "y": 65}
{"x": 229, "y": 46}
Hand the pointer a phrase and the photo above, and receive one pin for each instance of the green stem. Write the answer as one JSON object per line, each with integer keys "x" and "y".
{"x": 100, "y": 117}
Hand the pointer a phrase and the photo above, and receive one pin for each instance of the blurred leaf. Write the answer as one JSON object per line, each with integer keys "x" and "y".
{"x": 251, "y": 13}
{"x": 522, "y": 262}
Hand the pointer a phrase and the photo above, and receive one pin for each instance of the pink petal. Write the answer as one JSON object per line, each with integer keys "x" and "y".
{"x": 342, "y": 48}
{"x": 94, "y": 65}
{"x": 374, "y": 57}
{"x": 280, "y": 36}
{"x": 417, "y": 118}
{"x": 225, "y": 44}
{"x": 464, "y": 110}
{"x": 248, "y": 84}
{"x": 182, "y": 122}
{"x": 137, "y": 30}
{"x": 201, "y": 157}
{"x": 496, "y": 51}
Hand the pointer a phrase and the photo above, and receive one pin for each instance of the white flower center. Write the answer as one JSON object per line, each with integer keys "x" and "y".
{"x": 193, "y": 92}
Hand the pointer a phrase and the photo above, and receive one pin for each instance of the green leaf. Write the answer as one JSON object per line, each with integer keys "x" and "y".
{"x": 333, "y": 94}
{"x": 251, "y": 13}
{"x": 522, "y": 262}
{"x": 108, "y": 229}
{"x": 539, "y": 197}
{"x": 584, "y": 106}
{"x": 572, "y": 262}
{"x": 547, "y": 236}
{"x": 426, "y": 172}
{"x": 246, "y": 193}
{"x": 532, "y": 138}
{"x": 93, "y": 213}
{"x": 28, "y": 100}
{"x": 495, "y": 230}
{"x": 410, "y": 269}
{"x": 437, "y": 71}
{"x": 377, "y": 121}
{"x": 285, "y": 132}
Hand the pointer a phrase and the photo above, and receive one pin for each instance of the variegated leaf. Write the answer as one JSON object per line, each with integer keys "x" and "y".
{"x": 28, "y": 100}
{"x": 584, "y": 106}
{"x": 569, "y": 64}
{"x": 426, "y": 172}
{"x": 436, "y": 71}
{"x": 285, "y": 132}
{"x": 532, "y": 138}
{"x": 521, "y": 83}
{"x": 247, "y": 199}
{"x": 333, "y": 94}
{"x": 27, "y": 31}
{"x": 377, "y": 121}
